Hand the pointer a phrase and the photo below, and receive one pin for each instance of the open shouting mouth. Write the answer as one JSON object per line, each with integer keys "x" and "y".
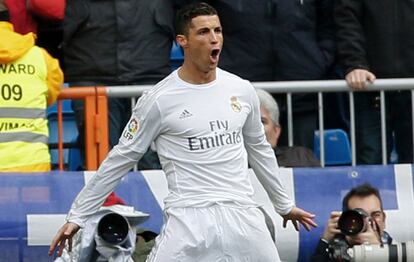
{"x": 214, "y": 55}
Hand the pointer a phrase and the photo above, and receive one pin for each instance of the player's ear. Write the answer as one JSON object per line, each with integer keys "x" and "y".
{"x": 181, "y": 40}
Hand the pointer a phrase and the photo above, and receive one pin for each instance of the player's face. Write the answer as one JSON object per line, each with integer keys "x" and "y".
{"x": 203, "y": 43}
{"x": 370, "y": 204}
{"x": 272, "y": 130}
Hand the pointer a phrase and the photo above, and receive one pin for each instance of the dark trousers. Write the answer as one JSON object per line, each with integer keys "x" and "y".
{"x": 304, "y": 126}
{"x": 368, "y": 127}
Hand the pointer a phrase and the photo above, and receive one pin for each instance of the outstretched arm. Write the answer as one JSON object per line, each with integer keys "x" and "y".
{"x": 263, "y": 161}
{"x": 92, "y": 196}
{"x": 141, "y": 130}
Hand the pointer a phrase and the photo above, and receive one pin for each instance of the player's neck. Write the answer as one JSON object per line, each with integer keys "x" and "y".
{"x": 195, "y": 76}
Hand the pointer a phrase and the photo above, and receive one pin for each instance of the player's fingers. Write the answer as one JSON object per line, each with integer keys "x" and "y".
{"x": 308, "y": 215}
{"x": 295, "y": 224}
{"x": 61, "y": 247}
{"x": 284, "y": 222}
{"x": 306, "y": 226}
{"x": 70, "y": 244}
{"x": 54, "y": 243}
{"x": 51, "y": 249}
{"x": 303, "y": 213}
{"x": 310, "y": 222}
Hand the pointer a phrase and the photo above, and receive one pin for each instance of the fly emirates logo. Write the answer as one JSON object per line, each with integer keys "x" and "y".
{"x": 221, "y": 137}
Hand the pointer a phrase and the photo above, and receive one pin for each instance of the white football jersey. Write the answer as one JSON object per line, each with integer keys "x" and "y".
{"x": 204, "y": 135}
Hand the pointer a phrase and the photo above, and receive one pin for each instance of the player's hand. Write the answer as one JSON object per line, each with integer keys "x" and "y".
{"x": 357, "y": 79}
{"x": 331, "y": 228}
{"x": 66, "y": 232}
{"x": 299, "y": 215}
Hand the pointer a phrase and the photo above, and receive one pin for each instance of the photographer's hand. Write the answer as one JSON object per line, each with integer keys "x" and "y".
{"x": 370, "y": 236}
{"x": 331, "y": 228}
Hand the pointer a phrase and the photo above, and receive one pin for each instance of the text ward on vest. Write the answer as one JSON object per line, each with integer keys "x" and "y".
{"x": 17, "y": 69}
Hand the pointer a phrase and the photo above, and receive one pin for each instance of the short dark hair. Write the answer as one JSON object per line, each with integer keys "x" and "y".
{"x": 187, "y": 13}
{"x": 362, "y": 190}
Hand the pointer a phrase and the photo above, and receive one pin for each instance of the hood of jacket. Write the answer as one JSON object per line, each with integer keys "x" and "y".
{"x": 13, "y": 45}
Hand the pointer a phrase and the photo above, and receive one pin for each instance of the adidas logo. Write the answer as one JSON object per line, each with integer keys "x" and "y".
{"x": 185, "y": 114}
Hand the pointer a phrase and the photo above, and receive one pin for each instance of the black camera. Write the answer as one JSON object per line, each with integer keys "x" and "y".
{"x": 338, "y": 249}
{"x": 354, "y": 221}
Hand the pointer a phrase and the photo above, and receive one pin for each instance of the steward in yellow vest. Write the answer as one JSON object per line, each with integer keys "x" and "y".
{"x": 30, "y": 79}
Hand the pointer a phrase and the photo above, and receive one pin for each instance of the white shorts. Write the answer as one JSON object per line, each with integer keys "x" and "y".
{"x": 215, "y": 233}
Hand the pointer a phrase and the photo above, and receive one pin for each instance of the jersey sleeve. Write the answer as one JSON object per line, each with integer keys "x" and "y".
{"x": 141, "y": 130}
{"x": 262, "y": 158}
{"x": 143, "y": 126}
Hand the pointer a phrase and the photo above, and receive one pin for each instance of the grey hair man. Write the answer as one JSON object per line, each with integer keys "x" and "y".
{"x": 287, "y": 156}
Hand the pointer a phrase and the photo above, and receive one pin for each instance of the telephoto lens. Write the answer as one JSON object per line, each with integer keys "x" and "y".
{"x": 403, "y": 251}
{"x": 113, "y": 228}
{"x": 353, "y": 221}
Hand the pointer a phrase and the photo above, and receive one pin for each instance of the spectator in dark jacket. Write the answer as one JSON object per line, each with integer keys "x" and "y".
{"x": 375, "y": 39}
{"x": 304, "y": 50}
{"x": 277, "y": 40}
{"x": 109, "y": 42}
{"x": 287, "y": 156}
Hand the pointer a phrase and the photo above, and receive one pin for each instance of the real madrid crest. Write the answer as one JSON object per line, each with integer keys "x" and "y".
{"x": 235, "y": 104}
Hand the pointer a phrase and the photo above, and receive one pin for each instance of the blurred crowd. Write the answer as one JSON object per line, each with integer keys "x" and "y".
{"x": 128, "y": 42}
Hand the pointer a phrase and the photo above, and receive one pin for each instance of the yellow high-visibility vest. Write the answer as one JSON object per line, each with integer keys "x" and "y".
{"x": 24, "y": 130}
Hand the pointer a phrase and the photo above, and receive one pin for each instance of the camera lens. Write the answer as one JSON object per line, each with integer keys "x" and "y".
{"x": 352, "y": 222}
{"x": 113, "y": 228}
{"x": 403, "y": 251}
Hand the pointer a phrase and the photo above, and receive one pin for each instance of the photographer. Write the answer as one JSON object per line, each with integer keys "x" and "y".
{"x": 366, "y": 200}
